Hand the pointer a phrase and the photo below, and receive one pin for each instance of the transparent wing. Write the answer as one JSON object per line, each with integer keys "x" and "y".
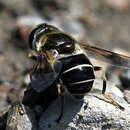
{"x": 42, "y": 78}
{"x": 107, "y": 56}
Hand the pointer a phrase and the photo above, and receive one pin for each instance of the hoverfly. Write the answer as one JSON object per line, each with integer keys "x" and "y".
{"x": 61, "y": 59}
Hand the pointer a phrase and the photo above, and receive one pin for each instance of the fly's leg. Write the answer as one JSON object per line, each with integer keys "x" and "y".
{"x": 62, "y": 102}
{"x": 39, "y": 59}
{"x": 107, "y": 96}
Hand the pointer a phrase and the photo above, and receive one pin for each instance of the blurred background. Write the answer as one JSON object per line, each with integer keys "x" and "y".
{"x": 105, "y": 23}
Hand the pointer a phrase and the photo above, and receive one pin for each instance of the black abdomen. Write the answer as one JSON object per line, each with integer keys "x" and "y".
{"x": 77, "y": 75}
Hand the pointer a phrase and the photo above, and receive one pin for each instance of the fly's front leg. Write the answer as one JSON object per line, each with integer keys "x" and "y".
{"x": 107, "y": 96}
{"x": 33, "y": 69}
{"x": 62, "y": 102}
{"x": 38, "y": 62}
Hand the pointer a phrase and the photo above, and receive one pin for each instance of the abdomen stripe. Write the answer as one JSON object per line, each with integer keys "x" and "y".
{"x": 77, "y": 67}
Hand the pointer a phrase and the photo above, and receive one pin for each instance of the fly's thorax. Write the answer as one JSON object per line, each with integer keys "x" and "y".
{"x": 77, "y": 51}
{"x": 59, "y": 41}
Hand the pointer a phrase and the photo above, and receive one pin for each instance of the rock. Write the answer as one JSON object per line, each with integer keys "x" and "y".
{"x": 21, "y": 117}
{"x": 120, "y": 5}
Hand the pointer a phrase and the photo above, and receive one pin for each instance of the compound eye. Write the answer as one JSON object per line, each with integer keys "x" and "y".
{"x": 34, "y": 34}
{"x": 31, "y": 40}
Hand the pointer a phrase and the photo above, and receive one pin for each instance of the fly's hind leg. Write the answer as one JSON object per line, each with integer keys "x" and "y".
{"x": 107, "y": 96}
{"x": 62, "y": 102}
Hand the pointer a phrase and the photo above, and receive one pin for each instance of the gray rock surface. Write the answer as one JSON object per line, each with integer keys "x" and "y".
{"x": 21, "y": 117}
